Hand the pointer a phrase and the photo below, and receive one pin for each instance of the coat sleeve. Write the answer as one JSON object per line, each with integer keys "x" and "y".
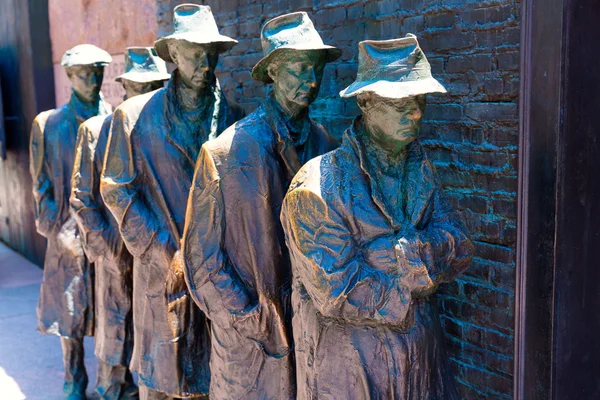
{"x": 120, "y": 189}
{"x": 450, "y": 248}
{"x": 205, "y": 262}
{"x": 46, "y": 211}
{"x": 341, "y": 280}
{"x": 85, "y": 195}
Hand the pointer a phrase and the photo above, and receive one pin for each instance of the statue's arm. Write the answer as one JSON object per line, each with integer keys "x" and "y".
{"x": 46, "y": 212}
{"x": 205, "y": 262}
{"x": 343, "y": 279}
{"x": 85, "y": 192}
{"x": 119, "y": 187}
{"x": 450, "y": 250}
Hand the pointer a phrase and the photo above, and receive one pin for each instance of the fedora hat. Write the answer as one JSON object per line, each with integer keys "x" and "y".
{"x": 143, "y": 65}
{"x": 293, "y": 31}
{"x": 395, "y": 69}
{"x": 85, "y": 54}
{"x": 194, "y": 24}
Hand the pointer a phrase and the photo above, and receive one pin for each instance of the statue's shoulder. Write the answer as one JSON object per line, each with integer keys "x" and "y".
{"x": 93, "y": 124}
{"x": 134, "y": 106}
{"x": 40, "y": 120}
{"x": 245, "y": 139}
{"x": 58, "y": 117}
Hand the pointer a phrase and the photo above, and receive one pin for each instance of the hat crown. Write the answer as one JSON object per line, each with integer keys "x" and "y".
{"x": 85, "y": 54}
{"x": 396, "y": 60}
{"x": 194, "y": 18}
{"x": 294, "y": 29}
{"x": 143, "y": 59}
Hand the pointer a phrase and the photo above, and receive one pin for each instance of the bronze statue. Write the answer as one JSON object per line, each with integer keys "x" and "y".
{"x": 144, "y": 72}
{"x": 236, "y": 263}
{"x": 371, "y": 236}
{"x": 66, "y": 302}
{"x": 153, "y": 146}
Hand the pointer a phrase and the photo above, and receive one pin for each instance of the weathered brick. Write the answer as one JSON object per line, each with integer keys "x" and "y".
{"x": 492, "y": 111}
{"x": 442, "y": 20}
{"x": 494, "y": 252}
{"x": 444, "y": 112}
{"x": 487, "y": 14}
{"x": 413, "y": 24}
{"x": 508, "y": 61}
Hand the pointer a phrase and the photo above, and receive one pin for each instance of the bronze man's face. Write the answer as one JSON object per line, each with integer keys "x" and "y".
{"x": 393, "y": 123}
{"x": 297, "y": 78}
{"x": 133, "y": 89}
{"x": 86, "y": 81}
{"x": 196, "y": 63}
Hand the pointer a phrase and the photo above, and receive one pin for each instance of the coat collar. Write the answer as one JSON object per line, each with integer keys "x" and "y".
{"x": 291, "y": 153}
{"x": 419, "y": 176}
{"x": 278, "y": 120}
{"x": 206, "y": 125}
{"x": 84, "y": 111}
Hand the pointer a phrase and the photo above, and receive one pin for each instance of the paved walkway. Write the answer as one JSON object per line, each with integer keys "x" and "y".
{"x": 30, "y": 363}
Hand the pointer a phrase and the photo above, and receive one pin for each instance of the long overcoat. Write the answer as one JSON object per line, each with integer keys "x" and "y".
{"x": 361, "y": 331}
{"x": 148, "y": 169}
{"x": 66, "y": 302}
{"x": 103, "y": 246}
{"x": 234, "y": 247}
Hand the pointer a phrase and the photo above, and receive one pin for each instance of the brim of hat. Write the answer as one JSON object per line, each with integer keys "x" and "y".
{"x": 143, "y": 77}
{"x": 82, "y": 64}
{"x": 394, "y": 90}
{"x": 259, "y": 72}
{"x": 220, "y": 42}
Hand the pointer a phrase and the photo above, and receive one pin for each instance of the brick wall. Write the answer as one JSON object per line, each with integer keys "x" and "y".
{"x": 470, "y": 133}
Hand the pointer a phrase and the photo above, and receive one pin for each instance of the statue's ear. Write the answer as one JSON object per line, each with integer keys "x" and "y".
{"x": 173, "y": 51}
{"x": 272, "y": 70}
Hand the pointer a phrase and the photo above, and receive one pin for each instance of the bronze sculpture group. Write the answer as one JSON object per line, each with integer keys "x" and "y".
{"x": 245, "y": 257}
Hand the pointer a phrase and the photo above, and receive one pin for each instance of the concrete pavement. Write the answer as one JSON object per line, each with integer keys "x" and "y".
{"x": 30, "y": 363}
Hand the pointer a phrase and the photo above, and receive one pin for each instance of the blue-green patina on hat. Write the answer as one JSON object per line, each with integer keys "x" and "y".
{"x": 294, "y": 31}
{"x": 142, "y": 64}
{"x": 85, "y": 54}
{"x": 394, "y": 69}
{"x": 194, "y": 24}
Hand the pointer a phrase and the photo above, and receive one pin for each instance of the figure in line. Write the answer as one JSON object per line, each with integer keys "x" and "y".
{"x": 154, "y": 142}
{"x": 371, "y": 236}
{"x": 236, "y": 262}
{"x": 66, "y": 302}
{"x": 144, "y": 72}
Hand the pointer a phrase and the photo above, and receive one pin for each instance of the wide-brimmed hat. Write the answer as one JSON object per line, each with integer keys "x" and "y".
{"x": 143, "y": 65}
{"x": 395, "y": 69}
{"x": 293, "y": 31}
{"x": 194, "y": 24}
{"x": 85, "y": 54}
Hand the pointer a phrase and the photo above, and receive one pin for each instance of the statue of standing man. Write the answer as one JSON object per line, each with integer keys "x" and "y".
{"x": 371, "y": 236}
{"x": 154, "y": 142}
{"x": 66, "y": 302}
{"x": 236, "y": 263}
{"x": 144, "y": 72}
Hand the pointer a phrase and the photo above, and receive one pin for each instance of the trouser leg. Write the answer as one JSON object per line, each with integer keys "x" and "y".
{"x": 76, "y": 378}
{"x": 115, "y": 382}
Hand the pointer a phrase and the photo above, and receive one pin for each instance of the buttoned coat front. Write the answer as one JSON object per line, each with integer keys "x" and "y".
{"x": 145, "y": 183}
{"x": 234, "y": 247}
{"x": 359, "y": 330}
{"x": 66, "y": 302}
{"x": 103, "y": 246}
